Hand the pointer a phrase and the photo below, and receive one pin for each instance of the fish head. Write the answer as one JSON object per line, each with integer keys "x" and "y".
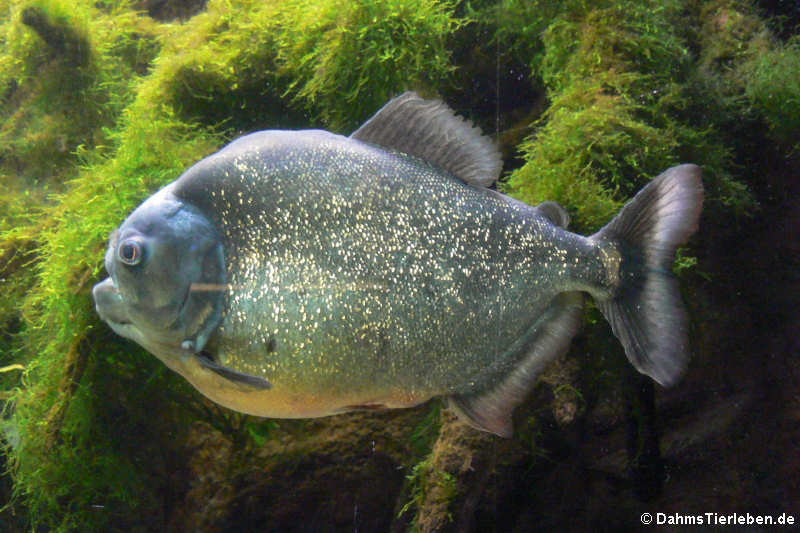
{"x": 166, "y": 279}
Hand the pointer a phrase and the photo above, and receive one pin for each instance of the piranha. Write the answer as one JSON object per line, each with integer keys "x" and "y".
{"x": 300, "y": 274}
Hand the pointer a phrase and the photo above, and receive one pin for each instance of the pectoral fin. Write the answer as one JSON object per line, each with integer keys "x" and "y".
{"x": 232, "y": 375}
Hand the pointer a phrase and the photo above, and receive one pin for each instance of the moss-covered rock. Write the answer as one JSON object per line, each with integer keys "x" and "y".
{"x": 449, "y": 482}
{"x": 774, "y": 88}
{"x": 346, "y": 59}
{"x": 617, "y": 78}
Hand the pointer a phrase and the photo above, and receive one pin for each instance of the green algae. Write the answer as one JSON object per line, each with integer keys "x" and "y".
{"x": 424, "y": 479}
{"x": 288, "y": 63}
{"x": 100, "y": 105}
{"x": 773, "y": 85}
{"x": 617, "y": 77}
{"x": 400, "y": 44}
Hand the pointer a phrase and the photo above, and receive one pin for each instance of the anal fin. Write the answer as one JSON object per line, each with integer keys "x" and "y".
{"x": 491, "y": 409}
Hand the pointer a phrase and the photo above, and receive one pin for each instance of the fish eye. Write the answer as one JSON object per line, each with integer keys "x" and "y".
{"x": 130, "y": 252}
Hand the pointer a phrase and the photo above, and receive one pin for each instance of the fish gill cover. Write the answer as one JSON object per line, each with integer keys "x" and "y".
{"x": 100, "y": 104}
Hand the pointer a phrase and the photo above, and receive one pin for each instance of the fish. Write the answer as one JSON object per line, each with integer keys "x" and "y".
{"x": 299, "y": 274}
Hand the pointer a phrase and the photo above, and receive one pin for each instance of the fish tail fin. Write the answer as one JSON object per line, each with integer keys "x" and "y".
{"x": 645, "y": 309}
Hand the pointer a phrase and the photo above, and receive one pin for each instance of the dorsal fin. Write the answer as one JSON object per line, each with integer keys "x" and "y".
{"x": 431, "y": 131}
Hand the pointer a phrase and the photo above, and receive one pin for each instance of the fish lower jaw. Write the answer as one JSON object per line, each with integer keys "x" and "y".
{"x": 123, "y": 329}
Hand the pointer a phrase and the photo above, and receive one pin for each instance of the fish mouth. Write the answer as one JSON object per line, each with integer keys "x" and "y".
{"x": 108, "y": 303}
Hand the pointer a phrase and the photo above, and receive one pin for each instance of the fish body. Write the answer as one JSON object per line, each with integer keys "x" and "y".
{"x": 303, "y": 273}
